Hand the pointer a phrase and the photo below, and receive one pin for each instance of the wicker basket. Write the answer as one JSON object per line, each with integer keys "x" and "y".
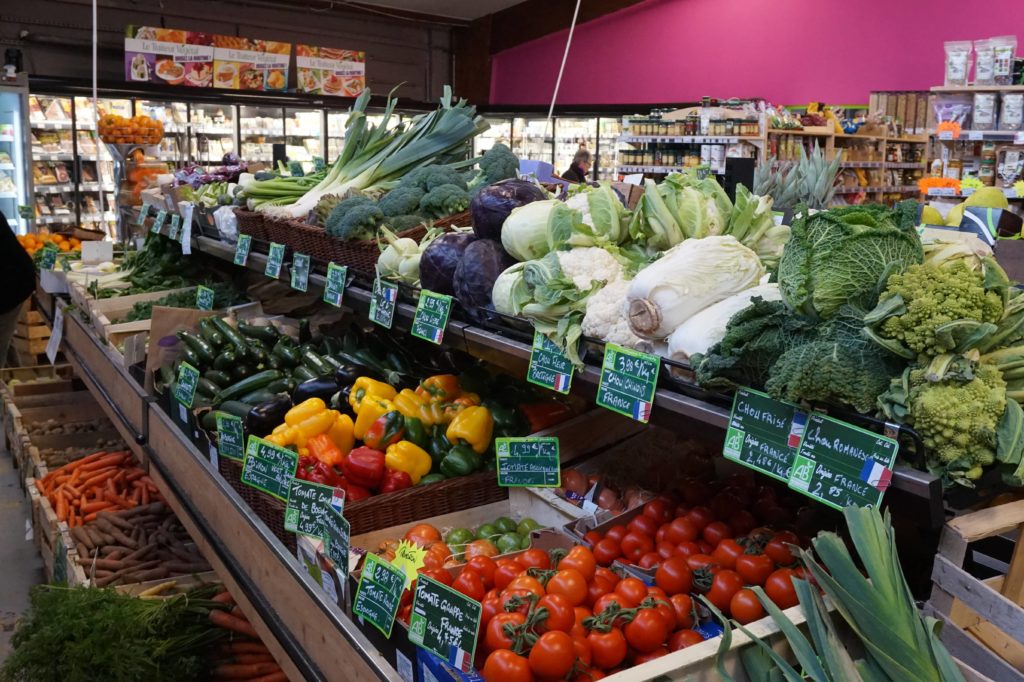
{"x": 359, "y": 255}
{"x": 231, "y": 471}
{"x": 270, "y": 510}
{"x": 251, "y": 223}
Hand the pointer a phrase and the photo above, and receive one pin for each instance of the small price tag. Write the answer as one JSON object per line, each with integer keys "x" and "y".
{"x": 336, "y": 535}
{"x": 379, "y": 593}
{"x": 230, "y": 436}
{"x": 275, "y": 259}
{"x": 548, "y": 365}
{"x": 300, "y": 271}
{"x": 269, "y": 468}
{"x": 383, "y": 303}
{"x": 158, "y": 222}
{"x": 975, "y": 135}
{"x": 186, "y": 208}
{"x": 528, "y": 462}
{"x": 763, "y": 433}
{"x": 334, "y": 289}
{"x": 443, "y": 621}
{"x": 204, "y": 298}
{"x": 629, "y": 379}
{"x": 172, "y": 231}
{"x": 48, "y": 259}
{"x": 65, "y": 265}
{"x": 56, "y": 334}
{"x": 242, "y": 249}
{"x": 307, "y": 506}
{"x": 409, "y": 558}
{"x": 185, "y": 387}
{"x": 431, "y": 317}
{"x": 143, "y": 212}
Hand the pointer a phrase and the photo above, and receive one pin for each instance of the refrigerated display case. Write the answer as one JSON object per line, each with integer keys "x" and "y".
{"x": 15, "y": 183}
{"x": 211, "y": 132}
{"x": 52, "y": 139}
{"x": 609, "y": 130}
{"x": 500, "y": 131}
{"x": 304, "y": 131}
{"x": 260, "y": 128}
{"x": 336, "y": 121}
{"x": 532, "y": 140}
{"x": 174, "y": 117}
{"x": 94, "y": 173}
{"x": 571, "y": 135}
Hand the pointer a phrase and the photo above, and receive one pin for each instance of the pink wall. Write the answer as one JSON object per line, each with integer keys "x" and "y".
{"x": 789, "y": 51}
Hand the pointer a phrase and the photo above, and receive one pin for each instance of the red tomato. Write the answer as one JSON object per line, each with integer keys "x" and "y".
{"x": 700, "y": 517}
{"x": 754, "y": 568}
{"x": 745, "y": 607}
{"x": 470, "y": 584}
{"x": 684, "y": 638}
{"x": 632, "y": 591}
{"x": 582, "y": 647}
{"x": 489, "y": 608}
{"x": 438, "y": 574}
{"x": 649, "y": 560}
{"x": 608, "y": 574}
{"x": 617, "y": 532}
{"x": 534, "y": 558}
{"x": 674, "y": 576}
{"x": 607, "y": 649}
{"x": 505, "y": 666}
{"x": 560, "y": 613}
{"x": 523, "y": 598}
{"x": 665, "y": 549}
{"x": 741, "y": 521}
{"x": 715, "y": 532}
{"x": 607, "y": 600}
{"x": 527, "y": 583}
{"x": 581, "y": 559}
{"x": 506, "y": 572}
{"x": 495, "y": 637}
{"x": 662, "y": 534}
{"x": 580, "y": 613}
{"x": 724, "y": 585}
{"x": 647, "y": 631}
{"x": 688, "y": 549}
{"x": 552, "y": 656}
{"x": 778, "y": 548}
{"x": 705, "y": 546}
{"x": 643, "y": 524}
{"x": 681, "y": 530}
{"x": 485, "y": 567}
{"x": 699, "y": 561}
{"x": 640, "y": 659}
{"x": 727, "y": 551}
{"x": 606, "y": 551}
{"x": 664, "y": 609}
{"x": 779, "y": 588}
{"x": 635, "y": 545}
{"x": 597, "y": 588}
{"x": 570, "y": 583}
{"x": 592, "y": 537}
{"x": 659, "y": 509}
{"x": 682, "y": 604}
{"x": 656, "y": 592}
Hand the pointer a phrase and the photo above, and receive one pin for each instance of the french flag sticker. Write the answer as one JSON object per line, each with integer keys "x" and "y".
{"x": 390, "y": 294}
{"x": 438, "y": 335}
{"x": 796, "y": 432}
{"x": 561, "y": 383}
{"x": 460, "y": 659}
{"x": 642, "y": 411}
{"x": 876, "y": 474}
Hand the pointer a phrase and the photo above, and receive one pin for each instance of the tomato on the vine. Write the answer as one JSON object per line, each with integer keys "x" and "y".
{"x": 528, "y": 583}
{"x": 647, "y": 631}
{"x": 489, "y": 608}
{"x": 724, "y": 585}
{"x": 649, "y": 560}
{"x": 778, "y": 547}
{"x": 754, "y": 568}
{"x": 659, "y": 509}
{"x": 581, "y": 559}
{"x": 608, "y": 574}
{"x": 607, "y": 600}
{"x": 561, "y": 614}
{"x": 727, "y": 552}
{"x": 582, "y": 648}
{"x": 635, "y": 545}
{"x": 699, "y": 561}
{"x": 495, "y": 637}
{"x": 570, "y": 583}
{"x": 715, "y": 532}
{"x": 682, "y": 604}
{"x": 506, "y": 666}
{"x": 643, "y": 524}
{"x": 700, "y": 517}
{"x": 682, "y": 530}
{"x": 684, "y": 638}
{"x": 524, "y": 598}
{"x": 632, "y": 591}
{"x": 665, "y": 549}
{"x": 534, "y": 558}
{"x": 470, "y": 584}
{"x": 485, "y": 566}
{"x": 779, "y": 588}
{"x": 607, "y": 649}
{"x": 745, "y": 607}
{"x": 606, "y": 551}
{"x": 674, "y": 576}
{"x": 439, "y": 574}
{"x": 552, "y": 655}
{"x": 597, "y": 588}
{"x": 580, "y": 614}
{"x": 592, "y": 537}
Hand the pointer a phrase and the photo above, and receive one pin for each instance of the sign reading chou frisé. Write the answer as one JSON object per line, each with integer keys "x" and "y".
{"x": 548, "y": 365}
{"x": 379, "y": 593}
{"x": 841, "y": 465}
{"x": 269, "y": 468}
{"x": 528, "y": 462}
{"x": 431, "y": 318}
{"x": 629, "y": 379}
{"x": 444, "y": 622}
{"x": 763, "y": 433}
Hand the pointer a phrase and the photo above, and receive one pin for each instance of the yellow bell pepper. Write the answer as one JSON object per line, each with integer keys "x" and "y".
{"x": 341, "y": 434}
{"x": 371, "y": 409}
{"x": 472, "y": 426}
{"x": 408, "y": 403}
{"x": 365, "y": 387}
{"x": 304, "y": 410}
{"x": 314, "y": 426}
{"x": 276, "y": 439}
{"x": 410, "y": 458}
{"x": 280, "y": 428}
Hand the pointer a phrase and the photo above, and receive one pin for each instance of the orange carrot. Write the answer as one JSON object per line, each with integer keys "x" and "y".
{"x": 246, "y": 648}
{"x": 109, "y": 460}
{"x": 62, "y": 508}
{"x": 98, "y": 506}
{"x": 244, "y": 671}
{"x": 98, "y": 477}
{"x": 224, "y": 598}
{"x": 254, "y": 658}
{"x": 229, "y": 622}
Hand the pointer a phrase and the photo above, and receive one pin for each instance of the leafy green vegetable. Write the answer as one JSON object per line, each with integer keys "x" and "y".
{"x": 401, "y": 201}
{"x": 224, "y": 295}
{"x": 533, "y": 230}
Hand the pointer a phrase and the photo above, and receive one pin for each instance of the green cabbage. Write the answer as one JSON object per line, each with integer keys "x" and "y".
{"x": 537, "y": 228}
{"x": 605, "y": 220}
{"x": 751, "y": 216}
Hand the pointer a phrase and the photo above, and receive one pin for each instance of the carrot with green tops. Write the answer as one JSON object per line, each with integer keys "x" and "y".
{"x": 244, "y": 671}
{"x": 228, "y": 622}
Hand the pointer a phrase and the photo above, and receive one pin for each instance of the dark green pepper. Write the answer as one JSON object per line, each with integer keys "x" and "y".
{"x": 432, "y": 478}
{"x": 509, "y": 421}
{"x": 416, "y": 433}
{"x": 460, "y": 461}
{"x": 439, "y": 446}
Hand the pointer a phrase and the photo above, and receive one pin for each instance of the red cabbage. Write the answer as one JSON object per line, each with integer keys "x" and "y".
{"x": 439, "y": 260}
{"x": 493, "y": 203}
{"x": 481, "y": 264}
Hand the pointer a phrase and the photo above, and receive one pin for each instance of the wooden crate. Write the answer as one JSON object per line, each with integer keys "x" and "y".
{"x": 983, "y": 619}
{"x": 106, "y": 314}
{"x": 181, "y": 584}
{"x": 29, "y": 347}
{"x": 85, "y": 442}
{"x": 31, "y": 373}
{"x": 60, "y": 560}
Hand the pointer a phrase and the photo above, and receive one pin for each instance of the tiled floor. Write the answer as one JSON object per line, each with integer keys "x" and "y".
{"x": 21, "y": 564}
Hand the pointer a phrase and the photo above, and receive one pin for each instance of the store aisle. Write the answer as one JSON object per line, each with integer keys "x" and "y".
{"x": 22, "y": 566}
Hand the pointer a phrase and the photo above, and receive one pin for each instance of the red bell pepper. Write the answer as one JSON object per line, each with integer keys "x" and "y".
{"x": 545, "y": 415}
{"x": 364, "y": 467}
{"x": 325, "y": 475}
{"x": 305, "y": 468}
{"x": 354, "y": 493}
{"x": 395, "y": 480}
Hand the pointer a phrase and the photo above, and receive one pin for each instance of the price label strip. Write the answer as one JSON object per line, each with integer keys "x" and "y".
{"x": 143, "y": 212}
{"x": 548, "y": 365}
{"x": 230, "y": 436}
{"x": 158, "y": 222}
{"x": 334, "y": 288}
{"x": 629, "y": 379}
{"x": 185, "y": 386}
{"x": 307, "y": 506}
{"x": 204, "y": 297}
{"x": 242, "y": 249}
{"x": 275, "y": 259}
{"x": 383, "y": 303}
{"x": 763, "y": 433}
{"x": 300, "y": 272}
{"x": 444, "y": 622}
{"x": 48, "y": 260}
{"x": 431, "y": 317}
{"x": 336, "y": 534}
{"x": 379, "y": 593}
{"x": 269, "y": 468}
{"x": 841, "y": 465}
{"x": 172, "y": 231}
{"x": 528, "y": 462}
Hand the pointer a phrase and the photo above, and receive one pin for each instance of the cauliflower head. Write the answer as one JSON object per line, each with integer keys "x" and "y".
{"x": 588, "y": 264}
{"x": 606, "y": 318}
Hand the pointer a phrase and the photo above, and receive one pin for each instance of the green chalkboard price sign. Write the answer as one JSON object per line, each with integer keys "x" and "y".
{"x": 548, "y": 365}
{"x": 48, "y": 259}
{"x": 528, "y": 462}
{"x": 841, "y": 465}
{"x": 143, "y": 212}
{"x": 204, "y": 297}
{"x": 379, "y": 592}
{"x": 431, "y": 317}
{"x": 242, "y": 249}
{"x": 383, "y": 302}
{"x": 300, "y": 271}
{"x": 275, "y": 259}
{"x": 185, "y": 386}
{"x": 763, "y": 433}
{"x": 307, "y": 506}
{"x": 334, "y": 288}
{"x": 336, "y": 534}
{"x": 443, "y": 621}
{"x": 158, "y": 222}
{"x": 230, "y": 436}
{"x": 172, "y": 231}
{"x": 269, "y": 468}
{"x": 629, "y": 379}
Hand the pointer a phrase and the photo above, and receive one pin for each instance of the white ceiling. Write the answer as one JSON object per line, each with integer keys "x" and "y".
{"x": 456, "y": 9}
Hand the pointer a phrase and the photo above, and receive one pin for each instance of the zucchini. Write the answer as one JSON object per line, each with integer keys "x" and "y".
{"x": 257, "y": 351}
{"x": 236, "y": 408}
{"x": 209, "y": 420}
{"x": 274, "y": 362}
{"x": 206, "y": 387}
{"x": 260, "y": 395}
{"x": 198, "y": 345}
{"x": 210, "y": 333}
{"x": 166, "y": 375}
{"x": 249, "y": 384}
{"x": 200, "y": 401}
{"x": 262, "y": 332}
{"x": 218, "y": 377}
{"x": 285, "y": 385}
{"x": 225, "y": 361}
{"x": 233, "y": 337}
{"x": 303, "y": 373}
{"x": 288, "y": 353}
{"x": 242, "y": 371}
{"x": 189, "y": 356}
{"x": 315, "y": 362}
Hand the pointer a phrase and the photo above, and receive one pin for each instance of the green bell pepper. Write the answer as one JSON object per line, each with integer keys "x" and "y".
{"x": 431, "y": 478}
{"x": 460, "y": 461}
{"x": 439, "y": 445}
{"x": 509, "y": 422}
{"x": 416, "y": 433}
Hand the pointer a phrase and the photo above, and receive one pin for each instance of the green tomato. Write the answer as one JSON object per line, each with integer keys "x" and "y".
{"x": 525, "y": 544}
{"x": 459, "y": 537}
{"x": 509, "y": 542}
{"x": 487, "y": 532}
{"x": 504, "y": 524}
{"x": 527, "y": 525}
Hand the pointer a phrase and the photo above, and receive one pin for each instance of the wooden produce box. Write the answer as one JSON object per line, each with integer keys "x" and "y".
{"x": 60, "y": 560}
{"x": 181, "y": 584}
{"x": 983, "y": 620}
{"x": 106, "y": 314}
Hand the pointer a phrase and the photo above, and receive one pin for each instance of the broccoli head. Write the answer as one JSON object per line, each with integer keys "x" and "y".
{"x": 401, "y": 201}
{"x": 355, "y": 218}
{"x": 444, "y": 200}
{"x": 499, "y": 163}
{"x": 430, "y": 177}
{"x": 401, "y": 223}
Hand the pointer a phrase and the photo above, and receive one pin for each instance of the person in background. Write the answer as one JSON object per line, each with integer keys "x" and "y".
{"x": 580, "y": 168}
{"x": 17, "y": 282}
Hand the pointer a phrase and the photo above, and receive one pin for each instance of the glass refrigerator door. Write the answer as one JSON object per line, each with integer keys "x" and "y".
{"x": 51, "y": 136}
{"x": 500, "y": 131}
{"x": 609, "y": 130}
{"x": 304, "y": 136}
{"x": 531, "y": 141}
{"x": 14, "y": 183}
{"x": 174, "y": 116}
{"x": 335, "y": 133}
{"x": 212, "y": 133}
{"x": 261, "y": 128}
{"x": 571, "y": 135}
{"x": 95, "y": 175}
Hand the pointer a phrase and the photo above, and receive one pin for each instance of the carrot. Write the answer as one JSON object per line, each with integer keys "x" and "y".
{"x": 75, "y": 475}
{"x": 244, "y": 671}
{"x": 109, "y": 460}
{"x": 224, "y": 598}
{"x": 229, "y": 622}
{"x": 145, "y": 496}
{"x": 134, "y": 475}
{"x": 98, "y": 477}
{"x": 254, "y": 658}
{"x": 98, "y": 506}
{"x": 62, "y": 508}
{"x": 278, "y": 676}
{"x": 237, "y": 613}
{"x": 246, "y": 648}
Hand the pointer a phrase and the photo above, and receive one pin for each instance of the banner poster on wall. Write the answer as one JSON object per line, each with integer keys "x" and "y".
{"x": 168, "y": 56}
{"x": 247, "y": 64}
{"x": 330, "y": 71}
